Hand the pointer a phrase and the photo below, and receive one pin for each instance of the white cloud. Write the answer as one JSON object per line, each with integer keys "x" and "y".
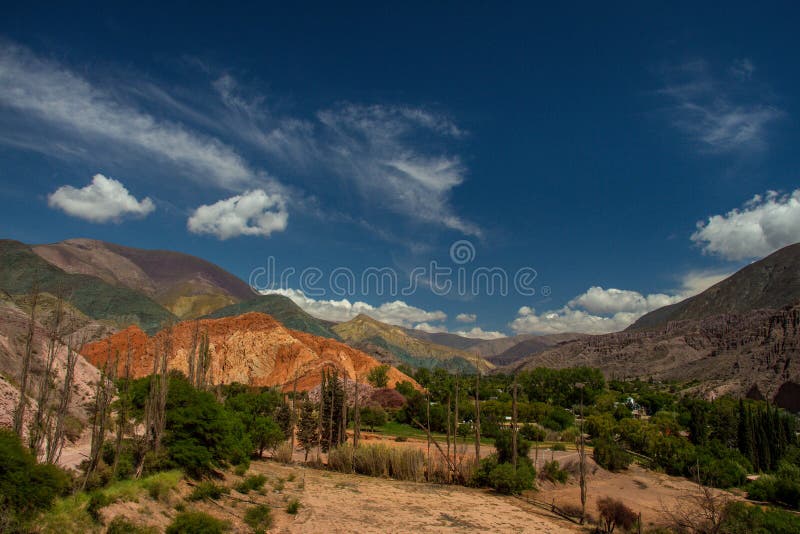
{"x": 609, "y": 301}
{"x": 254, "y": 213}
{"x": 479, "y": 333}
{"x": 54, "y": 95}
{"x": 466, "y": 317}
{"x": 431, "y": 328}
{"x": 599, "y": 310}
{"x": 103, "y": 200}
{"x": 395, "y": 312}
{"x": 706, "y": 111}
{"x": 763, "y": 225}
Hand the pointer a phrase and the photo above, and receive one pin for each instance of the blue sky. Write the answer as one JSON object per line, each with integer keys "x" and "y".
{"x": 586, "y": 143}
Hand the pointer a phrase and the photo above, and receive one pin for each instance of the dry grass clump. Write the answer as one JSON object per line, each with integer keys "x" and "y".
{"x": 406, "y": 464}
{"x": 283, "y": 453}
{"x": 372, "y": 460}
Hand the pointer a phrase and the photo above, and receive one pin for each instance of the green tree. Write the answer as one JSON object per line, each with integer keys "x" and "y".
{"x": 265, "y": 434}
{"x": 308, "y": 427}
{"x": 373, "y": 416}
{"x": 379, "y": 376}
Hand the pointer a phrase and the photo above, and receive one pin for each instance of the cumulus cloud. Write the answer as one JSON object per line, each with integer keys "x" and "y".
{"x": 763, "y": 225}
{"x": 395, "y": 312}
{"x": 466, "y": 317}
{"x": 599, "y": 310}
{"x": 254, "y": 213}
{"x": 103, "y": 200}
{"x": 720, "y": 113}
{"x": 54, "y": 95}
{"x": 479, "y": 333}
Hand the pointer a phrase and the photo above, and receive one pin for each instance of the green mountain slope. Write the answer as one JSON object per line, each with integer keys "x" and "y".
{"x": 186, "y": 285}
{"x": 283, "y": 310}
{"x": 20, "y": 267}
{"x": 392, "y": 344}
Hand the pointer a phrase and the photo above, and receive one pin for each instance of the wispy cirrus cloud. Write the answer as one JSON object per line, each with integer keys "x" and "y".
{"x": 53, "y": 95}
{"x": 721, "y": 113}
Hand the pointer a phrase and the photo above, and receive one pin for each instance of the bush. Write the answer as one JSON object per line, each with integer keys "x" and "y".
{"x": 207, "y": 490}
{"x": 293, "y": 507}
{"x": 120, "y": 525}
{"x": 504, "y": 450}
{"x": 552, "y": 471}
{"x": 485, "y": 467}
{"x": 608, "y": 454}
{"x": 97, "y": 500}
{"x": 532, "y": 432}
{"x": 372, "y": 460}
{"x": 505, "y": 479}
{"x": 614, "y": 513}
{"x": 559, "y": 447}
{"x": 259, "y": 518}
{"x": 25, "y": 486}
{"x": 341, "y": 458}
{"x": 741, "y": 518}
{"x": 558, "y": 419}
{"x": 197, "y": 523}
{"x": 251, "y": 483}
{"x": 379, "y": 376}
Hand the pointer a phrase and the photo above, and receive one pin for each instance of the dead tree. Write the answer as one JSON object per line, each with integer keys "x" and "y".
{"x": 103, "y": 394}
{"x": 38, "y": 429}
{"x": 293, "y": 418}
{"x": 514, "y": 424}
{"x": 122, "y": 409}
{"x": 192, "y": 355}
{"x": 19, "y": 412}
{"x": 455, "y": 423}
{"x": 55, "y": 441}
{"x": 155, "y": 406}
{"x": 477, "y": 411}
{"x": 428, "y": 430}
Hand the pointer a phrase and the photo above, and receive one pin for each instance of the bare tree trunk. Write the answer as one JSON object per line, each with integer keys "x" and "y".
{"x": 56, "y": 442}
{"x": 343, "y": 425}
{"x": 102, "y": 401}
{"x": 122, "y": 411}
{"x": 428, "y": 428}
{"x": 356, "y": 422}
{"x": 192, "y": 356}
{"x": 449, "y": 410}
{"x": 19, "y": 413}
{"x": 477, "y": 412}
{"x": 293, "y": 419}
{"x": 455, "y": 423}
{"x": 514, "y": 424}
{"x": 39, "y": 426}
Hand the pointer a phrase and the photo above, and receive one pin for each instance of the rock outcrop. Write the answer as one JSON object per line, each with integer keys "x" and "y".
{"x": 737, "y": 353}
{"x": 252, "y": 349}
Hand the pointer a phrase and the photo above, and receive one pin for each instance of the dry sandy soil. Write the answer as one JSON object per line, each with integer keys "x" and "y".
{"x": 335, "y": 502}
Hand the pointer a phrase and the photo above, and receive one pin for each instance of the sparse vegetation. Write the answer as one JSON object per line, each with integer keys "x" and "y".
{"x": 251, "y": 483}
{"x": 293, "y": 507}
{"x": 207, "y": 490}
{"x": 197, "y": 523}
{"x": 259, "y": 518}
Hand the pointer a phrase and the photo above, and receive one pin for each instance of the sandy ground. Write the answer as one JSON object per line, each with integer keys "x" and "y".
{"x": 335, "y": 502}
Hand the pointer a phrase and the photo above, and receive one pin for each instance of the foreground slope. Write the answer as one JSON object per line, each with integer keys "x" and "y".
{"x": 771, "y": 283}
{"x": 281, "y": 308}
{"x": 20, "y": 267}
{"x": 392, "y": 344}
{"x": 252, "y": 349}
{"x": 186, "y": 285}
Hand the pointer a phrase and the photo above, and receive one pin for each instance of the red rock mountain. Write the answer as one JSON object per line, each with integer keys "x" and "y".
{"x": 252, "y": 349}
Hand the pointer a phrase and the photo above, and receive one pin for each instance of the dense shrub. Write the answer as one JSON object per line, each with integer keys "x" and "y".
{"x": 25, "y": 486}
{"x": 741, "y": 518}
{"x": 505, "y": 451}
{"x": 197, "y": 523}
{"x": 558, "y": 419}
{"x": 507, "y": 480}
{"x": 259, "y": 518}
{"x": 388, "y": 399}
{"x": 782, "y": 488}
{"x": 608, "y": 454}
